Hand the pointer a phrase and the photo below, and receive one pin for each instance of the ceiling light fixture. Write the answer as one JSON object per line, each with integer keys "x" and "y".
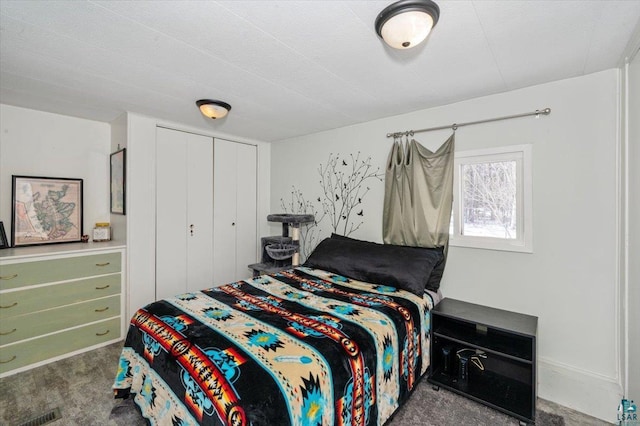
{"x": 212, "y": 108}
{"x": 406, "y": 23}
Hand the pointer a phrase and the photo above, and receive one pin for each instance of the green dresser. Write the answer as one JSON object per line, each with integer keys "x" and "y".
{"x": 56, "y": 303}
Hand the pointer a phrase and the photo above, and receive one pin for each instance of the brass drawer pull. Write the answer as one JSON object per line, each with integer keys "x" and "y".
{"x": 102, "y": 310}
{"x": 103, "y": 264}
{"x": 9, "y": 360}
{"x": 9, "y": 277}
{"x": 100, "y": 334}
{"x": 8, "y": 332}
{"x": 102, "y": 288}
{"x": 9, "y": 306}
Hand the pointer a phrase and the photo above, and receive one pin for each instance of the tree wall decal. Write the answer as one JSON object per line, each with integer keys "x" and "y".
{"x": 343, "y": 187}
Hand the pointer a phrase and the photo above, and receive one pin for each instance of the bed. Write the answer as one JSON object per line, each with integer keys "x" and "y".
{"x": 306, "y": 346}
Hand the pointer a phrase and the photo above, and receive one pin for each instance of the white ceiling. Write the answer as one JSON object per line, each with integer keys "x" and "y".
{"x": 290, "y": 68}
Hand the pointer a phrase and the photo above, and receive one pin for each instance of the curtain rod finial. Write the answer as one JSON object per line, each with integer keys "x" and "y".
{"x": 545, "y": 111}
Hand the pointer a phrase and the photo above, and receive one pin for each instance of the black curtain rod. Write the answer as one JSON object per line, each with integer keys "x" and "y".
{"x": 455, "y": 126}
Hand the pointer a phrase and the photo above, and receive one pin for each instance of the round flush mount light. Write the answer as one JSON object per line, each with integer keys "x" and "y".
{"x": 406, "y": 23}
{"x": 212, "y": 108}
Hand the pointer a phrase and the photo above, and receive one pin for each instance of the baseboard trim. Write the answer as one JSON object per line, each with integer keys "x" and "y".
{"x": 590, "y": 393}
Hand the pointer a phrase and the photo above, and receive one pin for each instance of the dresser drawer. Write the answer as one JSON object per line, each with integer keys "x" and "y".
{"x": 32, "y": 351}
{"x": 22, "y": 327}
{"x": 36, "y": 299}
{"x": 17, "y": 275}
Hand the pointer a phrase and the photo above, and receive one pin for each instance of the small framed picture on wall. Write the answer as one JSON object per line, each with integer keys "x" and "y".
{"x": 118, "y": 181}
{"x": 4, "y": 243}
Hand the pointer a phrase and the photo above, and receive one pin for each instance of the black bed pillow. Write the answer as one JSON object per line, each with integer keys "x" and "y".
{"x": 408, "y": 268}
{"x": 433, "y": 282}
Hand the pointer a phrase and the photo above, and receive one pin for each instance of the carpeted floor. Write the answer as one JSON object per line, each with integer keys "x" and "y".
{"x": 81, "y": 387}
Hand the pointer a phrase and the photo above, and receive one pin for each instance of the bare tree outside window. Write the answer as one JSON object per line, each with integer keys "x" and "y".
{"x": 489, "y": 199}
{"x": 492, "y": 203}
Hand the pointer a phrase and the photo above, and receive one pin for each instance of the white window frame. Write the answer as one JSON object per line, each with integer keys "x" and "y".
{"x": 521, "y": 154}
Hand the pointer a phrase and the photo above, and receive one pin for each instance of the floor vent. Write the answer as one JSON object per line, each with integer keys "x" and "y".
{"x": 43, "y": 419}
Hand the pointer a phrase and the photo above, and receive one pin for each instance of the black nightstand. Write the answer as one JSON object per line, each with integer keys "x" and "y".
{"x": 486, "y": 354}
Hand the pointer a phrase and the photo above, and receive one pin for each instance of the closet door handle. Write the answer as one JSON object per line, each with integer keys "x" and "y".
{"x": 101, "y": 310}
{"x": 103, "y": 287}
{"x": 103, "y": 264}
{"x": 8, "y": 277}
{"x": 9, "y": 306}
{"x": 8, "y": 332}
{"x": 103, "y": 334}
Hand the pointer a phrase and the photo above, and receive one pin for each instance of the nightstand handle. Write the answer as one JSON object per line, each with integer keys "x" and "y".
{"x": 101, "y": 310}
{"x": 102, "y": 334}
{"x": 8, "y": 332}
{"x": 9, "y": 360}
{"x": 9, "y": 306}
{"x": 102, "y": 288}
{"x": 103, "y": 264}
{"x": 9, "y": 277}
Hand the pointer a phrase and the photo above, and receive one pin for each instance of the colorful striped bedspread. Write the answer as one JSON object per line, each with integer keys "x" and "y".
{"x": 301, "y": 347}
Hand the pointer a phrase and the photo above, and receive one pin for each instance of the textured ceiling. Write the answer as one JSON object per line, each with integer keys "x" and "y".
{"x": 290, "y": 68}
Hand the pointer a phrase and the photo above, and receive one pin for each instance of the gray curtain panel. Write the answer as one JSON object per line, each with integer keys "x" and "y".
{"x": 418, "y": 195}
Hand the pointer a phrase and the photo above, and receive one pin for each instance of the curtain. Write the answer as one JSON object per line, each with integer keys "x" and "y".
{"x": 418, "y": 195}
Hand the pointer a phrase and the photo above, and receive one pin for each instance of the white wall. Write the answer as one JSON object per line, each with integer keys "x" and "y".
{"x": 141, "y": 227}
{"x": 36, "y": 143}
{"x": 570, "y": 281}
{"x": 119, "y": 128}
{"x": 633, "y": 254}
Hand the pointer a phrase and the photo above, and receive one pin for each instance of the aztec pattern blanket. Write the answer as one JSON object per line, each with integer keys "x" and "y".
{"x": 301, "y": 347}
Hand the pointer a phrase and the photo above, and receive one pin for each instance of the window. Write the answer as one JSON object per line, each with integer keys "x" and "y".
{"x": 492, "y": 199}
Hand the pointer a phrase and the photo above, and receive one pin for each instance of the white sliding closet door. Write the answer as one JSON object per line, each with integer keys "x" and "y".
{"x": 224, "y": 211}
{"x": 184, "y": 212}
{"x": 234, "y": 210}
{"x": 246, "y": 209}
{"x": 171, "y": 213}
{"x": 199, "y": 212}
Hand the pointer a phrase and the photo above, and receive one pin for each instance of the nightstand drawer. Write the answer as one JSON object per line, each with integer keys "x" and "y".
{"x": 36, "y": 299}
{"x": 32, "y": 351}
{"x": 17, "y": 275}
{"x": 22, "y": 327}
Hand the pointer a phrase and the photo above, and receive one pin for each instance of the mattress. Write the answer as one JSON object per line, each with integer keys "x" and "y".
{"x": 300, "y": 347}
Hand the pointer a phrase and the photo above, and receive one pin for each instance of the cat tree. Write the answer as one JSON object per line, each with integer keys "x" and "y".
{"x": 282, "y": 251}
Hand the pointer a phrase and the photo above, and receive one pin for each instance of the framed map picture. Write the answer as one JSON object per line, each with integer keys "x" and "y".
{"x": 45, "y": 210}
{"x": 118, "y": 175}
